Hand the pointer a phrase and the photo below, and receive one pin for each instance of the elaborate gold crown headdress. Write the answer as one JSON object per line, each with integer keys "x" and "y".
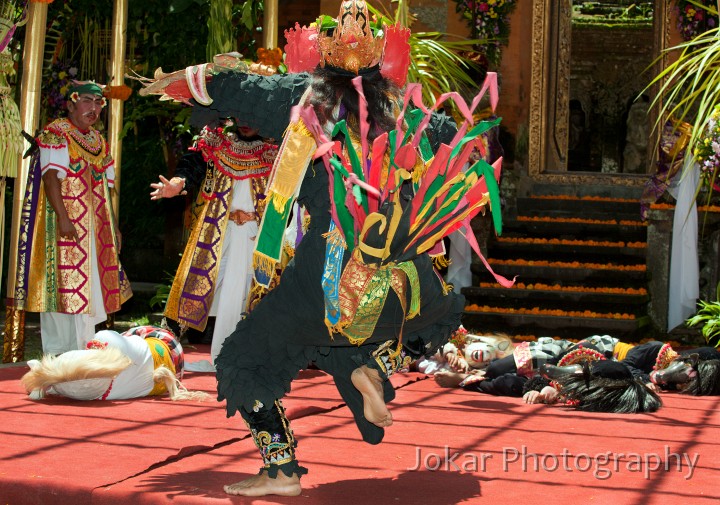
{"x": 352, "y": 45}
{"x": 580, "y": 355}
{"x": 666, "y": 355}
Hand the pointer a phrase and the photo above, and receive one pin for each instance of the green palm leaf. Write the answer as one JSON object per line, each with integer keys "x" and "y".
{"x": 689, "y": 87}
{"x": 708, "y": 315}
{"x": 439, "y": 64}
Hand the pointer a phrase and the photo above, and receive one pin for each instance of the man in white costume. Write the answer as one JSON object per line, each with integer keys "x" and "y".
{"x": 214, "y": 277}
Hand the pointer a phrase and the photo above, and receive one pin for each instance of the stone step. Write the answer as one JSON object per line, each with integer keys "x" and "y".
{"x": 555, "y": 326}
{"x": 594, "y": 277}
{"x": 587, "y": 207}
{"x": 526, "y": 226}
{"x": 577, "y": 249}
{"x": 558, "y": 241}
{"x": 551, "y": 296}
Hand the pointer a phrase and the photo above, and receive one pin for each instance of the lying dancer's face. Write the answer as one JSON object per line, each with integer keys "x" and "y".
{"x": 479, "y": 354}
{"x": 679, "y": 372}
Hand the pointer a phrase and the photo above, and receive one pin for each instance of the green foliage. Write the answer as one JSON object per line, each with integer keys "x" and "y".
{"x": 438, "y": 64}
{"x": 172, "y": 37}
{"x": 695, "y": 17}
{"x": 594, "y": 14}
{"x": 246, "y": 18}
{"x": 180, "y": 6}
{"x": 708, "y": 315}
{"x": 73, "y": 13}
{"x": 162, "y": 292}
{"x": 689, "y": 87}
{"x": 489, "y": 23}
{"x": 220, "y": 29}
{"x": 143, "y": 160}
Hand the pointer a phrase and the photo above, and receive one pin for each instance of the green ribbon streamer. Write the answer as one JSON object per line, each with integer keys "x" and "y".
{"x": 355, "y": 163}
{"x": 347, "y": 223}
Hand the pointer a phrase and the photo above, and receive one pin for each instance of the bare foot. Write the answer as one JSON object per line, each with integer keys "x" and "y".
{"x": 369, "y": 383}
{"x": 450, "y": 379}
{"x": 262, "y": 484}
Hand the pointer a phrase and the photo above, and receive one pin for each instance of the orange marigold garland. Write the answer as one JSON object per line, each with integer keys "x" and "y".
{"x": 581, "y": 220}
{"x": 573, "y": 289}
{"x": 585, "y": 198}
{"x": 566, "y": 264}
{"x": 473, "y": 307}
{"x": 557, "y": 241}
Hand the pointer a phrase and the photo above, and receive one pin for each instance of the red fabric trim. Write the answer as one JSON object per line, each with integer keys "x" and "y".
{"x": 50, "y": 146}
{"x": 106, "y": 393}
{"x": 53, "y": 166}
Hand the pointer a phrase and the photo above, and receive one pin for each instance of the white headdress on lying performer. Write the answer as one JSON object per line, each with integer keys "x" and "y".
{"x": 93, "y": 373}
{"x": 479, "y": 350}
{"x": 80, "y": 375}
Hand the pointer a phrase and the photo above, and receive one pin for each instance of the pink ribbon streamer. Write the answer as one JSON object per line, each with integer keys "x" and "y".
{"x": 467, "y": 232}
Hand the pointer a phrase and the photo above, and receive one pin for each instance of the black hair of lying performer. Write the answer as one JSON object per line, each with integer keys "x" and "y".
{"x": 597, "y": 386}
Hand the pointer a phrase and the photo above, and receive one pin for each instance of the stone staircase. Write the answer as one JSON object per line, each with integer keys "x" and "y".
{"x": 581, "y": 270}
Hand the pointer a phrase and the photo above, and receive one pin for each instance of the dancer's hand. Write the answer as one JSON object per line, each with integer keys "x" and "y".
{"x": 548, "y": 394}
{"x": 533, "y": 397}
{"x": 66, "y": 229}
{"x": 168, "y": 188}
{"x": 461, "y": 365}
{"x": 456, "y": 362}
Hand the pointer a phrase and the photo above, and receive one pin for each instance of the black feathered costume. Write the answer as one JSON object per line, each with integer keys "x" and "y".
{"x": 294, "y": 324}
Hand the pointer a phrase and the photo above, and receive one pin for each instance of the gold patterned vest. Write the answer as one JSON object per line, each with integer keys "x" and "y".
{"x": 58, "y": 276}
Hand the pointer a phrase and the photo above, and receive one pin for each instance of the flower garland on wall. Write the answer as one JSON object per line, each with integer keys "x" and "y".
{"x": 692, "y": 20}
{"x": 54, "y": 89}
{"x": 488, "y": 21}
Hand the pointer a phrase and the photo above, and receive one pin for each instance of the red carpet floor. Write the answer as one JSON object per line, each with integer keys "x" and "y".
{"x": 446, "y": 447}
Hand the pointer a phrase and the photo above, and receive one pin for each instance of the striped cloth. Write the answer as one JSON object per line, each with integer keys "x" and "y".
{"x": 176, "y": 355}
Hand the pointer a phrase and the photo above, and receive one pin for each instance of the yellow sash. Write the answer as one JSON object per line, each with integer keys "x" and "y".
{"x": 161, "y": 357}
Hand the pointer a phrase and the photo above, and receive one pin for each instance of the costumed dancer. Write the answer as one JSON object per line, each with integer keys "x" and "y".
{"x": 519, "y": 372}
{"x": 674, "y": 140}
{"x": 541, "y": 389}
{"x": 653, "y": 365}
{"x": 215, "y": 273}
{"x": 597, "y": 384}
{"x": 641, "y": 360}
{"x": 508, "y": 375}
{"x": 68, "y": 265}
{"x": 466, "y": 353}
{"x": 143, "y": 361}
{"x": 460, "y": 254}
{"x": 382, "y": 184}
{"x": 693, "y": 371}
